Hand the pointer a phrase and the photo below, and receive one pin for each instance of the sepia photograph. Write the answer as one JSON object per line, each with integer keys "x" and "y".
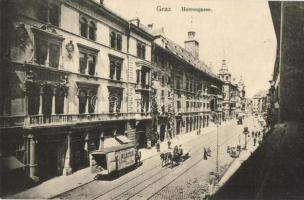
{"x": 152, "y": 99}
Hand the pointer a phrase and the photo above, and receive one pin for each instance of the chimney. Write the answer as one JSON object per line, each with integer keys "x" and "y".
{"x": 192, "y": 45}
{"x": 135, "y": 21}
{"x": 150, "y": 26}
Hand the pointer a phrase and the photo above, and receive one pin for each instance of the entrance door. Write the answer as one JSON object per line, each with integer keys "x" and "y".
{"x": 47, "y": 159}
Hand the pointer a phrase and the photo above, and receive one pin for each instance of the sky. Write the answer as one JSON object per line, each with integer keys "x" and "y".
{"x": 238, "y": 30}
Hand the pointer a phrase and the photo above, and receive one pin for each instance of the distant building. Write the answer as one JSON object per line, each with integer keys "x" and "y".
{"x": 259, "y": 102}
{"x": 230, "y": 92}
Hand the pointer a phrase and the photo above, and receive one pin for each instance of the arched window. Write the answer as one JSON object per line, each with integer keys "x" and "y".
{"x": 92, "y": 31}
{"x": 33, "y": 99}
{"x": 59, "y": 101}
{"x": 47, "y": 100}
{"x": 83, "y": 27}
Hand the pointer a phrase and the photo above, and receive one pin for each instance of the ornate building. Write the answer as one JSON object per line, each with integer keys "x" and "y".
{"x": 230, "y": 91}
{"x": 74, "y": 72}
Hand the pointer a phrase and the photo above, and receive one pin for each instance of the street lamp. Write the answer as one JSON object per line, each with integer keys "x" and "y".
{"x": 217, "y": 134}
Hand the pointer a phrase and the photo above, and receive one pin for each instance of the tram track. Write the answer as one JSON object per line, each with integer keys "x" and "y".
{"x": 148, "y": 174}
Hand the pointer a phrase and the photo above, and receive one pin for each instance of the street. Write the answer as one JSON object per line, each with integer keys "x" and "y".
{"x": 187, "y": 180}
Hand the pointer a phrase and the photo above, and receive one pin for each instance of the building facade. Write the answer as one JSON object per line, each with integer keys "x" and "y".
{"x": 259, "y": 102}
{"x": 74, "y": 72}
{"x": 184, "y": 88}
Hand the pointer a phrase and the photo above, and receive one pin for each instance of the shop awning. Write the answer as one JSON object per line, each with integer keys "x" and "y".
{"x": 123, "y": 139}
{"x": 11, "y": 163}
{"x": 110, "y": 142}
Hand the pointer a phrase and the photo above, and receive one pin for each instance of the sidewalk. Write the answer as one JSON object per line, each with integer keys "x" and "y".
{"x": 244, "y": 155}
{"x": 49, "y": 189}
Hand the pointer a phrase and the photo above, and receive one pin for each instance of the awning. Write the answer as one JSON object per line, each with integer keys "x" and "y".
{"x": 11, "y": 163}
{"x": 110, "y": 142}
{"x": 123, "y": 139}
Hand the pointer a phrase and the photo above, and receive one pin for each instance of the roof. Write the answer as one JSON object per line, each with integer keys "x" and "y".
{"x": 188, "y": 57}
{"x": 113, "y": 149}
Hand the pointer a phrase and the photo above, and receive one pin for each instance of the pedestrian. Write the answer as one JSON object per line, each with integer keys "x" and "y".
{"x": 252, "y": 134}
{"x": 158, "y": 146}
{"x": 205, "y": 154}
{"x": 169, "y": 144}
{"x": 254, "y": 141}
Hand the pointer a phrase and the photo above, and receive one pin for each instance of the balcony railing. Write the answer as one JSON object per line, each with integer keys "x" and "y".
{"x": 40, "y": 120}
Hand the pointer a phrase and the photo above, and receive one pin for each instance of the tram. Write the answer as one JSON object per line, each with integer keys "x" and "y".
{"x": 114, "y": 160}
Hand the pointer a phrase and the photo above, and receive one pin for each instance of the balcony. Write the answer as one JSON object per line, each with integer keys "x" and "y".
{"x": 61, "y": 119}
{"x": 143, "y": 87}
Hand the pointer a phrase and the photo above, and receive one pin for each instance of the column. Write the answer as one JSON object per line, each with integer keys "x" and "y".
{"x": 87, "y": 105}
{"x": 67, "y": 170}
{"x": 87, "y": 147}
{"x": 139, "y": 78}
{"x": 32, "y": 154}
{"x": 66, "y": 104}
{"x": 40, "y": 100}
{"x": 27, "y": 119}
{"x": 53, "y": 101}
{"x": 47, "y": 61}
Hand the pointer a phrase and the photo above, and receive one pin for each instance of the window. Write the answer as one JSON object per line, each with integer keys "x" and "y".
{"x": 115, "y": 99}
{"x": 92, "y": 31}
{"x": 162, "y": 93}
{"x": 141, "y": 50}
{"x": 48, "y": 12}
{"x": 177, "y": 84}
{"x": 163, "y": 81}
{"x": 82, "y": 101}
{"x": 47, "y": 52}
{"x": 115, "y": 40}
{"x": 87, "y": 28}
{"x": 87, "y": 60}
{"x": 87, "y": 63}
{"x": 115, "y": 68}
{"x": 83, "y": 27}
{"x": 59, "y": 101}
{"x": 178, "y": 105}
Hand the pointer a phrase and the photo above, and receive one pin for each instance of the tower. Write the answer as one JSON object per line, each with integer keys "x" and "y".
{"x": 224, "y": 74}
{"x": 192, "y": 45}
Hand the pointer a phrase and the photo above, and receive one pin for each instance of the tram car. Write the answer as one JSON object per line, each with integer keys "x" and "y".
{"x": 114, "y": 160}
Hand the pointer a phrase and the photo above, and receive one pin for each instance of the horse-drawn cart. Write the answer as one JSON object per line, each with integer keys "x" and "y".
{"x": 176, "y": 156}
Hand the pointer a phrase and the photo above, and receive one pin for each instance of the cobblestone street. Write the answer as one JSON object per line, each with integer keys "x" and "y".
{"x": 185, "y": 181}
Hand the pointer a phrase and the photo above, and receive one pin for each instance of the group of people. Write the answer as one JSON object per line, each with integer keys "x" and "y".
{"x": 257, "y": 137}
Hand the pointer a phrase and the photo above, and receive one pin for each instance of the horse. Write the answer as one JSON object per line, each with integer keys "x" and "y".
{"x": 166, "y": 158}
